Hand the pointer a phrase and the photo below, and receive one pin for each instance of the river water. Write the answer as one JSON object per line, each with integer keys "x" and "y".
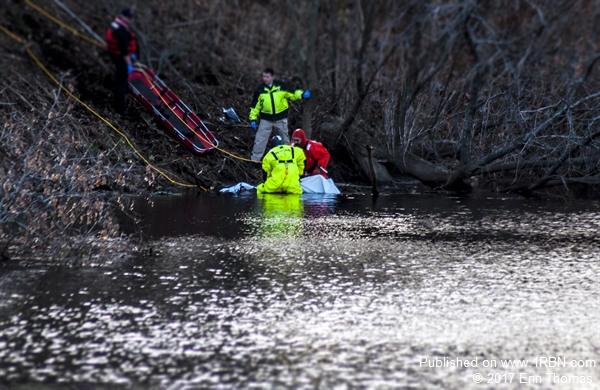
{"x": 313, "y": 292}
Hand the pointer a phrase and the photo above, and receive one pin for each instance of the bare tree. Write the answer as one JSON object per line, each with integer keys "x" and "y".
{"x": 478, "y": 83}
{"x": 311, "y": 69}
{"x": 450, "y": 92}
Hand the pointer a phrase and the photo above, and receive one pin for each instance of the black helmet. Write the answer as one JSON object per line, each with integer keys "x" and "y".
{"x": 276, "y": 141}
{"x": 128, "y": 13}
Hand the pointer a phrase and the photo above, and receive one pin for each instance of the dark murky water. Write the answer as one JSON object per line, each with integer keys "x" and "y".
{"x": 314, "y": 292}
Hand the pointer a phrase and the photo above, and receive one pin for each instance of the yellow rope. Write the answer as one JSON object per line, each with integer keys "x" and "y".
{"x": 63, "y": 25}
{"x": 51, "y": 76}
{"x": 13, "y": 36}
{"x": 77, "y": 33}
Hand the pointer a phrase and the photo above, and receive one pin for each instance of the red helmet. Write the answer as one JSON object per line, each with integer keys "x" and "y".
{"x": 299, "y": 133}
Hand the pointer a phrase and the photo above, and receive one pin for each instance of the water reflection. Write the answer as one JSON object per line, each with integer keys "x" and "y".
{"x": 281, "y": 215}
{"x": 184, "y": 215}
{"x": 320, "y": 205}
{"x": 306, "y": 293}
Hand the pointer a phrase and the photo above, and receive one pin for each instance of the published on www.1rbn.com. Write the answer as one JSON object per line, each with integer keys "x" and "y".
{"x": 551, "y": 370}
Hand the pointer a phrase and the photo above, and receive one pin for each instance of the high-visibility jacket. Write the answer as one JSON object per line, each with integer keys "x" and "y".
{"x": 284, "y": 164}
{"x": 271, "y": 103}
{"x": 120, "y": 40}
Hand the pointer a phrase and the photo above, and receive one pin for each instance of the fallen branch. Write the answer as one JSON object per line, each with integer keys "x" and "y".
{"x": 22, "y": 98}
{"x": 515, "y": 165}
{"x": 83, "y": 24}
{"x": 541, "y": 182}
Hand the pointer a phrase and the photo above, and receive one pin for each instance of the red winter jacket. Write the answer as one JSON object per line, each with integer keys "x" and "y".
{"x": 120, "y": 40}
{"x": 317, "y": 157}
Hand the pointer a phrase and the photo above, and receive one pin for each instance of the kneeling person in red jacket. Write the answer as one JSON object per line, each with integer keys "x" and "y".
{"x": 317, "y": 157}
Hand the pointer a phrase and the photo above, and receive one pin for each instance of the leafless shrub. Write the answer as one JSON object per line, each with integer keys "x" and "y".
{"x": 52, "y": 199}
{"x": 448, "y": 90}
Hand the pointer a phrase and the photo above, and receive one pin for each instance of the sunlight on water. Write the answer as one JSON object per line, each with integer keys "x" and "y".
{"x": 319, "y": 293}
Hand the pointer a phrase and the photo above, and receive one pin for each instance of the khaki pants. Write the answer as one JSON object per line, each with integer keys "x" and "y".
{"x": 263, "y": 134}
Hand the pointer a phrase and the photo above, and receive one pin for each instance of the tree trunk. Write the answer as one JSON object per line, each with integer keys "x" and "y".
{"x": 311, "y": 72}
{"x": 333, "y": 32}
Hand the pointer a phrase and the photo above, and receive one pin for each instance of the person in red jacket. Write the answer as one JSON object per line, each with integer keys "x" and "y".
{"x": 122, "y": 47}
{"x": 317, "y": 157}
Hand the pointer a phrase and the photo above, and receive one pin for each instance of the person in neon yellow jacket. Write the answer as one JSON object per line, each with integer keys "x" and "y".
{"x": 270, "y": 103}
{"x": 283, "y": 164}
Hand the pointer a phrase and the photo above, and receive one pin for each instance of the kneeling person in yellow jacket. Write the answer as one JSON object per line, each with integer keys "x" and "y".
{"x": 283, "y": 164}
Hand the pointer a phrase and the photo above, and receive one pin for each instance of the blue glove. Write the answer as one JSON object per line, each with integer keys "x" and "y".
{"x": 253, "y": 124}
{"x": 133, "y": 57}
{"x": 129, "y": 69}
{"x": 306, "y": 94}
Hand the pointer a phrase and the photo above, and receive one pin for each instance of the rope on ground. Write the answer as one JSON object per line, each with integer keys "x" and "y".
{"x": 154, "y": 86}
{"x": 81, "y": 22}
{"x": 95, "y": 42}
{"x": 13, "y": 36}
{"x": 51, "y": 76}
{"x": 63, "y": 25}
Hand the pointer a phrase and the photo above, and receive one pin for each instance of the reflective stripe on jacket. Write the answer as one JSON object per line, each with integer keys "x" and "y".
{"x": 120, "y": 40}
{"x": 284, "y": 164}
{"x": 271, "y": 103}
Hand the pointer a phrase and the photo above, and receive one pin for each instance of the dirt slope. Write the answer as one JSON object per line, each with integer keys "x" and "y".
{"x": 205, "y": 86}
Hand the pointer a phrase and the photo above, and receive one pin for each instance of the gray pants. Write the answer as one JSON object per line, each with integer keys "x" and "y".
{"x": 263, "y": 134}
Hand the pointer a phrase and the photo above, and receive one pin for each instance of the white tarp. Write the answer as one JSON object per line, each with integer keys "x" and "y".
{"x": 239, "y": 187}
{"x": 317, "y": 184}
